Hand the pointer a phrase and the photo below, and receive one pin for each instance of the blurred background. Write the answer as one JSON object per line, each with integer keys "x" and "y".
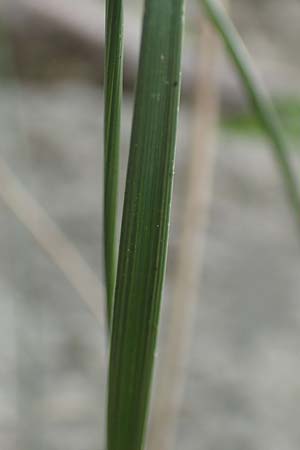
{"x": 242, "y": 384}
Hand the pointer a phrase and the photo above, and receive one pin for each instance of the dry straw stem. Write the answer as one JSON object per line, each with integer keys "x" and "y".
{"x": 47, "y": 234}
{"x": 171, "y": 378}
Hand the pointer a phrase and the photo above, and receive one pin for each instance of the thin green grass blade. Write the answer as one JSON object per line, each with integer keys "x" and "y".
{"x": 262, "y": 104}
{"x": 145, "y": 225}
{"x": 112, "y": 117}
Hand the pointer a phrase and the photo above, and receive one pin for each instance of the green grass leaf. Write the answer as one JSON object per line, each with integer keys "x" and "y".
{"x": 260, "y": 101}
{"x": 145, "y": 225}
{"x": 112, "y": 117}
{"x": 288, "y": 110}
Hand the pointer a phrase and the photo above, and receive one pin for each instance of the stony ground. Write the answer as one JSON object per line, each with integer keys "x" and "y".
{"x": 243, "y": 388}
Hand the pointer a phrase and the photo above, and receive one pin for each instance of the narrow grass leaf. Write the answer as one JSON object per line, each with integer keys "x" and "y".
{"x": 145, "y": 225}
{"x": 261, "y": 102}
{"x": 112, "y": 117}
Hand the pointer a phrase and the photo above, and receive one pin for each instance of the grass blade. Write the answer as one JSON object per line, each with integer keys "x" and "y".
{"x": 145, "y": 225}
{"x": 261, "y": 102}
{"x": 194, "y": 205}
{"x": 113, "y": 100}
